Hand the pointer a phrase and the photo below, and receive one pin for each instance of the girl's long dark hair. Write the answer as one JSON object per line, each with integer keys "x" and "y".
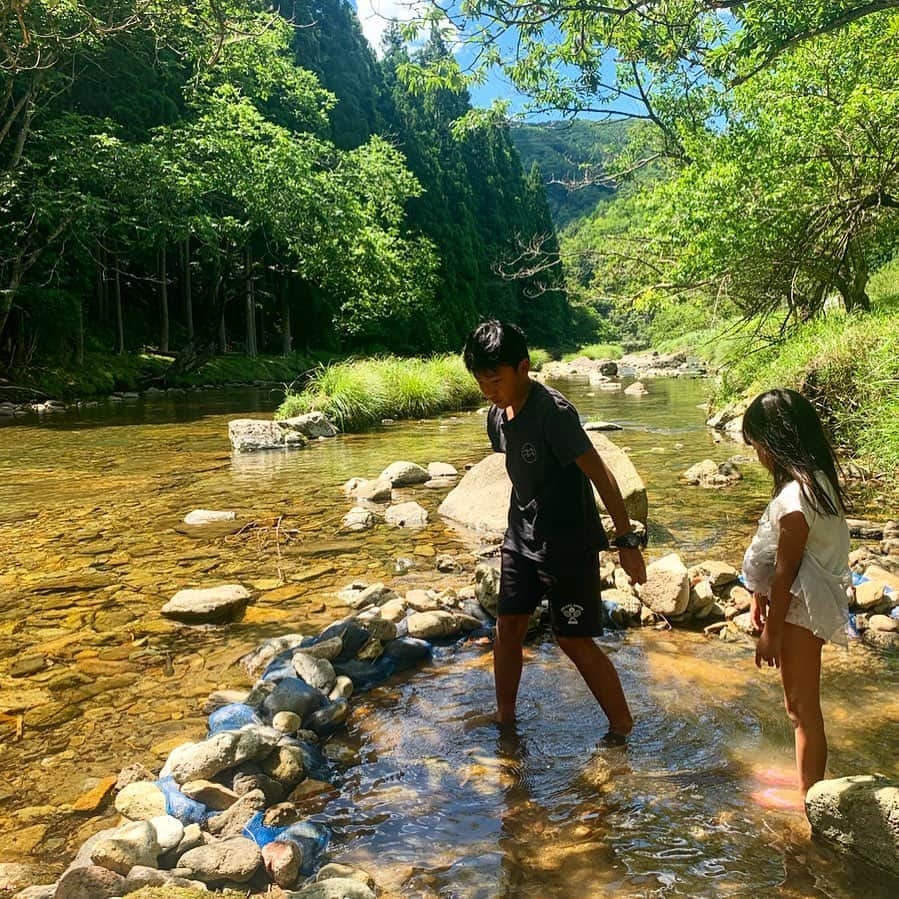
{"x": 784, "y": 423}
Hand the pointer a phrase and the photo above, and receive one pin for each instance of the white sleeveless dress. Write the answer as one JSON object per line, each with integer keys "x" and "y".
{"x": 821, "y": 590}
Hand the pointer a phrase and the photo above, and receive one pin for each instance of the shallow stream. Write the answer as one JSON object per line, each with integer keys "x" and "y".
{"x": 434, "y": 799}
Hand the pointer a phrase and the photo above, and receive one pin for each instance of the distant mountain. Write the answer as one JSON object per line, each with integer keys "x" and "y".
{"x": 567, "y": 152}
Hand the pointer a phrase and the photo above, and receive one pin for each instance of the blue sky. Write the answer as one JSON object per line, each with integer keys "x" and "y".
{"x": 375, "y": 15}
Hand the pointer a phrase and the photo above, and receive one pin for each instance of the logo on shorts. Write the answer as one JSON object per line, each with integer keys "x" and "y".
{"x": 529, "y": 453}
{"x": 572, "y": 612}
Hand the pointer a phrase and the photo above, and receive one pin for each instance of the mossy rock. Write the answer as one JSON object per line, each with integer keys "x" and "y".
{"x": 181, "y": 893}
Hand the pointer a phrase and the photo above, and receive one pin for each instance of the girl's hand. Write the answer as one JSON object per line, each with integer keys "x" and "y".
{"x": 758, "y": 610}
{"x": 768, "y": 648}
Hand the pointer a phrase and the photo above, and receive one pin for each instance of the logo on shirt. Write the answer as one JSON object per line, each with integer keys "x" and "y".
{"x": 572, "y": 612}
{"x": 529, "y": 453}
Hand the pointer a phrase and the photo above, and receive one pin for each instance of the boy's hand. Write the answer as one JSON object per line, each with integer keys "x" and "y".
{"x": 768, "y": 649}
{"x": 758, "y": 610}
{"x": 633, "y": 565}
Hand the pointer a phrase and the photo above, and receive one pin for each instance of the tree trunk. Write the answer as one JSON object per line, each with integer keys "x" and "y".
{"x": 101, "y": 284}
{"x": 859, "y": 298}
{"x": 188, "y": 297}
{"x": 286, "y": 336}
{"x": 79, "y": 345}
{"x": 120, "y": 324}
{"x": 164, "y": 302}
{"x": 250, "y": 305}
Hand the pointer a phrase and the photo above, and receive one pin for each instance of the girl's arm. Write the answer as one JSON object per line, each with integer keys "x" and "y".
{"x": 790, "y": 547}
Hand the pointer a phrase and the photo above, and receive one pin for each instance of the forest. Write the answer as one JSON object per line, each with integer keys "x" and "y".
{"x": 209, "y": 177}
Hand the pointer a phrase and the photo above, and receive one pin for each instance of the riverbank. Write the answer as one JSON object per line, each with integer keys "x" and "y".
{"x": 103, "y": 374}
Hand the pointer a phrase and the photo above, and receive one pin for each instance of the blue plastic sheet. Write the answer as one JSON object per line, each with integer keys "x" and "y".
{"x": 312, "y": 838}
{"x": 185, "y": 809}
{"x": 232, "y": 717}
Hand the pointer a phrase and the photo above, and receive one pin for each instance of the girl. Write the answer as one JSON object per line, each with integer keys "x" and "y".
{"x": 797, "y": 565}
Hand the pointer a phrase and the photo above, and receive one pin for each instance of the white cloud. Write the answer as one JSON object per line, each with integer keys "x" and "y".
{"x": 376, "y": 16}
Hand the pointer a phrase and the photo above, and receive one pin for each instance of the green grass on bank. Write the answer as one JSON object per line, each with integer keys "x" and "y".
{"x": 596, "y": 351}
{"x": 359, "y": 393}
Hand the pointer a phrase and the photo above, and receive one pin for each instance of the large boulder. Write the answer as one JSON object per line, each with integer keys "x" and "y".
{"x": 858, "y": 814}
{"x": 709, "y": 473}
{"x": 250, "y": 434}
{"x": 480, "y": 501}
{"x": 667, "y": 587}
{"x": 404, "y": 474}
{"x": 208, "y": 604}
{"x": 312, "y": 425}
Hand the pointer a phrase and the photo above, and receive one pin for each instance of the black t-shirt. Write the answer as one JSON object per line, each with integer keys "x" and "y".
{"x": 552, "y": 512}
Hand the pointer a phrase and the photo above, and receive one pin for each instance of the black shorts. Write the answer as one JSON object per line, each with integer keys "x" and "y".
{"x": 572, "y": 588}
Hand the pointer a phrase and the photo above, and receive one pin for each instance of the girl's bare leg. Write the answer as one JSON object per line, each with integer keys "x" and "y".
{"x": 800, "y": 671}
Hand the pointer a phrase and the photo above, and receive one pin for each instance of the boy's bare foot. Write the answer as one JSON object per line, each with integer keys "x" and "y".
{"x": 781, "y": 799}
{"x": 612, "y": 739}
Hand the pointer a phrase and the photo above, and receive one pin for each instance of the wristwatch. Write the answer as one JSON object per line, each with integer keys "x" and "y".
{"x": 630, "y": 540}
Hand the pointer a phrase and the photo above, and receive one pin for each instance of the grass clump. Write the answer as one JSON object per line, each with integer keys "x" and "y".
{"x": 596, "y": 351}
{"x": 539, "y": 358}
{"x": 359, "y": 393}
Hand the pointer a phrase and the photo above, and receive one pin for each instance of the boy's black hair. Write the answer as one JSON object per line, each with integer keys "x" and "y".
{"x": 785, "y": 424}
{"x": 493, "y": 343}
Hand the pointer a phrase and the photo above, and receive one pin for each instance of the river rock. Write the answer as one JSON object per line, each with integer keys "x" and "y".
{"x": 881, "y": 639}
{"x": 132, "y": 844}
{"x": 248, "y": 778}
{"x": 442, "y": 470}
{"x": 202, "y": 761}
{"x": 719, "y": 574}
{"x": 343, "y": 688}
{"x": 169, "y": 831}
{"x": 282, "y": 862}
{"x": 602, "y": 426}
{"x": 140, "y": 877}
{"x": 406, "y": 515}
{"x": 235, "y": 859}
{"x": 311, "y": 425}
{"x": 359, "y": 595}
{"x": 328, "y": 649}
{"x": 480, "y": 501}
{"x": 405, "y": 474}
{"x": 883, "y": 623}
{"x": 250, "y": 434}
{"x": 287, "y": 722}
{"x": 421, "y": 601}
{"x": 378, "y": 490}
{"x": 327, "y": 720}
{"x": 335, "y": 870}
{"x": 140, "y": 801}
{"x": 231, "y": 822}
{"x": 207, "y": 516}
{"x": 358, "y": 519}
{"x": 90, "y": 882}
{"x": 335, "y": 888}
{"x": 428, "y": 625}
{"x": 45, "y": 891}
{"x": 870, "y": 597}
{"x": 667, "y": 588}
{"x": 318, "y": 673}
{"x": 858, "y": 814}
{"x": 702, "y": 598}
{"x": 213, "y": 795}
{"x": 255, "y": 662}
{"x": 381, "y": 629}
{"x": 638, "y": 388}
{"x": 487, "y": 581}
{"x": 293, "y": 695}
{"x": 709, "y": 474}
{"x": 394, "y": 610}
{"x": 207, "y": 604}
{"x": 880, "y": 575}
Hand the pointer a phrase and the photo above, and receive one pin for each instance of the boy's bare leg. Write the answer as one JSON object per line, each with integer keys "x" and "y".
{"x": 507, "y": 660}
{"x": 601, "y": 677}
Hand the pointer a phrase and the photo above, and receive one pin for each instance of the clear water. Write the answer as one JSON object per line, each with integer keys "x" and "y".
{"x": 90, "y": 504}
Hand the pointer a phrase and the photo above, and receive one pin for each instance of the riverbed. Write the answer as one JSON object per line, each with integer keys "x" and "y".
{"x": 91, "y": 547}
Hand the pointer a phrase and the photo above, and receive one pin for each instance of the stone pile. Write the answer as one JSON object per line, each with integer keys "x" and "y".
{"x": 232, "y": 810}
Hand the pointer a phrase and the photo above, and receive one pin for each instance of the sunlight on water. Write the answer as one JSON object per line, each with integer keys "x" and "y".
{"x": 433, "y": 798}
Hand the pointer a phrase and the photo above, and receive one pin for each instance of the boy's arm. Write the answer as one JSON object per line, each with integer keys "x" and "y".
{"x": 592, "y": 465}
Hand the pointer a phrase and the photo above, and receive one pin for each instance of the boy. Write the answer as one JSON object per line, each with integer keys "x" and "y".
{"x": 554, "y": 536}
